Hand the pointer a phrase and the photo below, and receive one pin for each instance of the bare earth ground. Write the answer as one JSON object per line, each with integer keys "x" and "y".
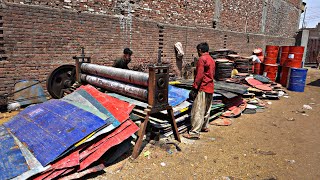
{"x": 281, "y": 143}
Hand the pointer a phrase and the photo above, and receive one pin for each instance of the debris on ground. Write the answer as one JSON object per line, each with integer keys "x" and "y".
{"x": 308, "y": 107}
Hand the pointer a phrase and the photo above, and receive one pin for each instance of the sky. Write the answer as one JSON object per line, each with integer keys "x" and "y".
{"x": 312, "y": 13}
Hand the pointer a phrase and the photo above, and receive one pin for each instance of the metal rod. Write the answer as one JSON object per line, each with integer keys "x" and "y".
{"x": 128, "y": 76}
{"x": 116, "y": 86}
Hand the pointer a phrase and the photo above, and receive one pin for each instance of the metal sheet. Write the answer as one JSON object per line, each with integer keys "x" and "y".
{"x": 177, "y": 95}
{"x": 112, "y": 155}
{"x": 117, "y": 86}
{"x": 123, "y": 75}
{"x": 12, "y": 162}
{"x": 52, "y": 127}
{"x": 97, "y": 149}
{"x": 29, "y": 92}
{"x": 118, "y": 108}
{"x": 34, "y": 165}
{"x": 76, "y": 99}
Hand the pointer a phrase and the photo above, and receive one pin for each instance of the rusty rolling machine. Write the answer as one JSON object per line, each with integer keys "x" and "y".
{"x": 149, "y": 87}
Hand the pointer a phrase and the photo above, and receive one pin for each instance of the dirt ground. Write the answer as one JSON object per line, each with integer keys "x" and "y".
{"x": 283, "y": 142}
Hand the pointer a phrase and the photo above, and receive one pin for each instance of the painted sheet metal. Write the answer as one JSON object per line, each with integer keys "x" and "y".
{"x": 97, "y": 149}
{"x": 112, "y": 155}
{"x": 78, "y": 100}
{"x": 177, "y": 95}
{"x": 52, "y": 127}
{"x": 32, "y": 92}
{"x": 68, "y": 162}
{"x": 12, "y": 162}
{"x": 34, "y": 165}
{"x": 115, "y": 106}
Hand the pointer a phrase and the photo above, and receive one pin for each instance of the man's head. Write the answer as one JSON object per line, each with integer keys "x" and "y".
{"x": 127, "y": 55}
{"x": 202, "y": 48}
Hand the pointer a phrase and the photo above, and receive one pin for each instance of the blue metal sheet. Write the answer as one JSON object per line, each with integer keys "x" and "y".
{"x": 12, "y": 162}
{"x": 50, "y": 128}
{"x": 177, "y": 95}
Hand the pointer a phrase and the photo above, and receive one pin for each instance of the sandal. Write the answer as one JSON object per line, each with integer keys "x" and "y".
{"x": 205, "y": 130}
{"x": 191, "y": 136}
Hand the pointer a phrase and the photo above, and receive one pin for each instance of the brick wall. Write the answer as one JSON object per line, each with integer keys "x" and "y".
{"x": 39, "y": 37}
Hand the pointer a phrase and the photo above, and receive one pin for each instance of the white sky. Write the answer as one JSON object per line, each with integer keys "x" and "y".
{"x": 312, "y": 13}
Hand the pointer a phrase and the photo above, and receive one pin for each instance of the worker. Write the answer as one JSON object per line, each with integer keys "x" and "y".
{"x": 124, "y": 60}
{"x": 257, "y": 58}
{"x": 201, "y": 93}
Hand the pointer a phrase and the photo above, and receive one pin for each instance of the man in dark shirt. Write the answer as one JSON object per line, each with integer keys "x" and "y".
{"x": 124, "y": 60}
{"x": 201, "y": 93}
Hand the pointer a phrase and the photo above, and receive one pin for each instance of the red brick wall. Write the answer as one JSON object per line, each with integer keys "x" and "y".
{"x": 37, "y": 39}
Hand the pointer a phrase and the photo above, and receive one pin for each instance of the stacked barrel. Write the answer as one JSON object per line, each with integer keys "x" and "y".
{"x": 291, "y": 57}
{"x": 270, "y": 66}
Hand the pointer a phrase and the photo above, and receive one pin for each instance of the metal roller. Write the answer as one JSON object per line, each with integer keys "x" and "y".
{"x": 128, "y": 76}
{"x": 116, "y": 86}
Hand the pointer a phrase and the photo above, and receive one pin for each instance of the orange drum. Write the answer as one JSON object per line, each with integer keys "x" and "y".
{"x": 270, "y": 71}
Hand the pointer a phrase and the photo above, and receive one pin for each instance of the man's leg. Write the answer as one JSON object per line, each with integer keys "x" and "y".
{"x": 207, "y": 110}
{"x": 197, "y": 114}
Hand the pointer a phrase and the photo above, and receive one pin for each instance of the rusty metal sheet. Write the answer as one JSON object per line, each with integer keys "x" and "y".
{"x": 12, "y": 162}
{"x": 29, "y": 92}
{"x": 51, "y": 128}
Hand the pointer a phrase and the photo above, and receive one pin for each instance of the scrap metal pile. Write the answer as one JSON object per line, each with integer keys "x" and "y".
{"x": 66, "y": 138}
{"x": 86, "y": 129}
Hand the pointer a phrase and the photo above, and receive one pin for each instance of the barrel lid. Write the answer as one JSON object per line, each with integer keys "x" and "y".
{"x": 271, "y": 64}
{"x": 222, "y": 60}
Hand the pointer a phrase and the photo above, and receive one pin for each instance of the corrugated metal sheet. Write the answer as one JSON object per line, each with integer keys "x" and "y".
{"x": 12, "y": 162}
{"x": 32, "y": 92}
{"x": 49, "y": 129}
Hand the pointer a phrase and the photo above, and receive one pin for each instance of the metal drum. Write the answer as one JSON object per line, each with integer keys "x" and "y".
{"x": 271, "y": 54}
{"x": 295, "y": 56}
{"x": 297, "y": 79}
{"x": 270, "y": 71}
{"x": 284, "y": 54}
{"x": 284, "y": 76}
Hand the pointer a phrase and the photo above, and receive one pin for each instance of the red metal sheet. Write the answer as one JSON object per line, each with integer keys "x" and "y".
{"x": 96, "y": 150}
{"x": 94, "y": 146}
{"x": 78, "y": 175}
{"x": 58, "y": 167}
{"x": 263, "y": 87}
{"x": 253, "y": 82}
{"x": 119, "y": 109}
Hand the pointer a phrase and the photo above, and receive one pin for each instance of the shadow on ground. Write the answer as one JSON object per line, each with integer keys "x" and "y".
{"x": 315, "y": 83}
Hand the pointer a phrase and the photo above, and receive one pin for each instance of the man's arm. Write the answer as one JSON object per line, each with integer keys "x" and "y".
{"x": 199, "y": 75}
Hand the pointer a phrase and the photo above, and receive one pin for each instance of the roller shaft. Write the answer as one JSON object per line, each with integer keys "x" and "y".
{"x": 128, "y": 76}
{"x": 116, "y": 86}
